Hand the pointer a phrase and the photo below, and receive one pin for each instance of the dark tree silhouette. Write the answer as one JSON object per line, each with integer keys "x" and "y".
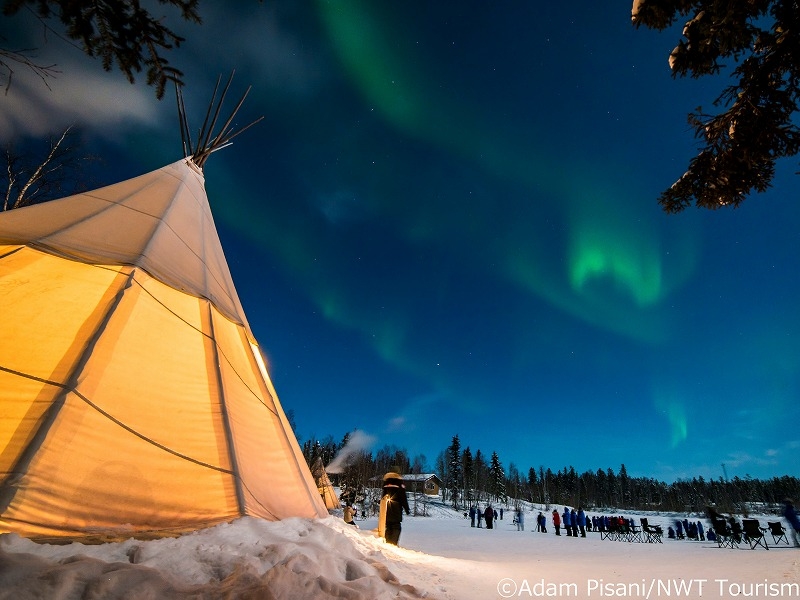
{"x": 602, "y": 488}
{"x": 754, "y": 128}
{"x": 455, "y": 471}
{"x": 120, "y": 33}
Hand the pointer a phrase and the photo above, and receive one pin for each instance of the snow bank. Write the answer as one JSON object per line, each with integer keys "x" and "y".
{"x": 294, "y": 558}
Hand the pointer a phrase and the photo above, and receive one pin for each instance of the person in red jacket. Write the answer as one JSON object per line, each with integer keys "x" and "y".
{"x": 557, "y": 522}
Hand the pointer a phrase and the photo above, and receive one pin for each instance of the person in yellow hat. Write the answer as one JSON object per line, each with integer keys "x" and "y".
{"x": 393, "y": 503}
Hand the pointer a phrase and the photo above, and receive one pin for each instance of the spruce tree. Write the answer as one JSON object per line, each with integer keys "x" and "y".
{"x": 455, "y": 472}
{"x": 481, "y": 473}
{"x": 469, "y": 476}
{"x": 533, "y": 486}
{"x": 497, "y": 479}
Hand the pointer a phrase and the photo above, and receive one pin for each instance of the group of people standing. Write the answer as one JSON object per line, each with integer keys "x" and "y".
{"x": 489, "y": 514}
{"x": 687, "y": 529}
{"x": 575, "y": 522}
{"x": 572, "y": 520}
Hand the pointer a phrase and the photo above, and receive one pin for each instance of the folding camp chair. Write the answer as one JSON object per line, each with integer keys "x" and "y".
{"x": 612, "y": 531}
{"x": 635, "y": 533}
{"x": 652, "y": 533}
{"x": 725, "y": 536}
{"x": 607, "y": 533}
{"x": 736, "y": 529}
{"x": 624, "y": 531}
{"x": 754, "y": 534}
{"x": 778, "y": 532}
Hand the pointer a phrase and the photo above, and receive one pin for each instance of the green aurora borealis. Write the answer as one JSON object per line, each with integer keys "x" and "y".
{"x": 492, "y": 262}
{"x": 447, "y": 223}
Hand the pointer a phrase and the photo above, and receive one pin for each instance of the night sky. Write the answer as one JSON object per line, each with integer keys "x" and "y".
{"x": 447, "y": 223}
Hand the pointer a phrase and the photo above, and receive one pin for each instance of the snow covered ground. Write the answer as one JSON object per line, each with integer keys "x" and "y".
{"x": 440, "y": 556}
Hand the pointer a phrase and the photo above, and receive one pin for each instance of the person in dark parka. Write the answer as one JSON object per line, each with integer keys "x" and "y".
{"x": 398, "y": 502}
{"x": 581, "y": 516}
{"x": 488, "y": 514}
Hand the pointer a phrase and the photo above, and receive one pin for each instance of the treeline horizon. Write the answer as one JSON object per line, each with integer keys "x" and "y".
{"x": 473, "y": 477}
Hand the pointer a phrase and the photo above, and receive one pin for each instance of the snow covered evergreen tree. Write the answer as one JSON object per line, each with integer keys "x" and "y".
{"x": 497, "y": 479}
{"x": 455, "y": 472}
{"x": 481, "y": 473}
{"x": 469, "y": 476}
{"x": 533, "y": 486}
{"x": 441, "y": 468}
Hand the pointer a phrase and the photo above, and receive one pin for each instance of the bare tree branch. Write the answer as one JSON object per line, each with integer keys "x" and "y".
{"x": 24, "y": 58}
{"x": 41, "y": 174}
{"x": 11, "y": 173}
{"x": 30, "y": 179}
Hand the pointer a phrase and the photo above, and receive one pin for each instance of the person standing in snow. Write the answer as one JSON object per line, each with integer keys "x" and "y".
{"x": 398, "y": 502}
{"x": 349, "y": 515}
{"x": 520, "y": 519}
{"x": 581, "y": 521}
{"x": 556, "y": 522}
{"x": 566, "y": 520}
{"x": 488, "y": 514}
{"x": 472, "y": 512}
{"x": 790, "y": 514}
{"x": 573, "y": 520}
{"x": 691, "y": 530}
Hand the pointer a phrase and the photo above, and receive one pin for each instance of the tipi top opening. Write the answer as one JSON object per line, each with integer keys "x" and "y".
{"x": 207, "y": 142}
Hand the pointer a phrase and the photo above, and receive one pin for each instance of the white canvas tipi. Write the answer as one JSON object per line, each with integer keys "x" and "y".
{"x": 134, "y": 399}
